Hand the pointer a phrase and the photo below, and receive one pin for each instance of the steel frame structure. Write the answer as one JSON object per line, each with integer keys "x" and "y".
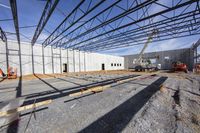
{"x": 96, "y": 25}
{"x": 48, "y": 10}
{"x": 71, "y": 19}
{"x": 195, "y": 48}
{"x": 123, "y": 40}
{"x": 13, "y": 5}
{"x": 107, "y": 22}
{"x": 3, "y": 35}
{"x": 185, "y": 26}
{"x": 103, "y": 22}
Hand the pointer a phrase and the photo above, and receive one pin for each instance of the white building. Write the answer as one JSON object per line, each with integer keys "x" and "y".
{"x": 51, "y": 60}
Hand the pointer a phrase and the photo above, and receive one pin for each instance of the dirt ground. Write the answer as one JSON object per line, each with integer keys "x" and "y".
{"x": 35, "y": 76}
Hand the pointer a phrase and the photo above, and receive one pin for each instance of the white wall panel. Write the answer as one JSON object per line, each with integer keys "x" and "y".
{"x": 71, "y": 61}
{"x": 38, "y": 61}
{"x": 48, "y": 60}
{"x": 82, "y": 64}
{"x": 76, "y": 60}
{"x": 3, "y": 56}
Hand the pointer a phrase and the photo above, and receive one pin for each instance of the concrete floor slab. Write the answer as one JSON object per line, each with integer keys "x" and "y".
{"x": 131, "y": 106}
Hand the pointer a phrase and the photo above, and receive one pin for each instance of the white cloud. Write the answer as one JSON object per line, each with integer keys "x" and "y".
{"x": 169, "y": 45}
{"x": 158, "y": 46}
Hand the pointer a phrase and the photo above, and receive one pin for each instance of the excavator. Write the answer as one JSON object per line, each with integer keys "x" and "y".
{"x": 142, "y": 64}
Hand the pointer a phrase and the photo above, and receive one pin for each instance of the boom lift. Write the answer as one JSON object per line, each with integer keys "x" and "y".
{"x": 2, "y": 74}
{"x": 140, "y": 63}
{"x": 11, "y": 74}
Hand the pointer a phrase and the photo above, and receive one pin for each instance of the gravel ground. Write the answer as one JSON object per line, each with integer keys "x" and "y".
{"x": 136, "y": 106}
{"x": 176, "y": 108}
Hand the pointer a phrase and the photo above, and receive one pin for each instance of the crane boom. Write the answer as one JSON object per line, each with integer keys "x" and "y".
{"x": 150, "y": 37}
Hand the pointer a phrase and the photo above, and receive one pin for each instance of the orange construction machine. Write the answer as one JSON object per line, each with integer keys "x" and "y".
{"x": 179, "y": 66}
{"x": 11, "y": 74}
{"x": 197, "y": 68}
{"x": 2, "y": 74}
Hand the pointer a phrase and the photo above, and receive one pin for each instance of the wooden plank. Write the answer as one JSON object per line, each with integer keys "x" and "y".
{"x": 94, "y": 89}
{"x": 27, "y": 107}
{"x": 101, "y": 88}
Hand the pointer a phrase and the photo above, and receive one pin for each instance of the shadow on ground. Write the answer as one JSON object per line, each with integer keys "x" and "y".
{"x": 56, "y": 93}
{"x": 118, "y": 118}
{"x": 13, "y": 126}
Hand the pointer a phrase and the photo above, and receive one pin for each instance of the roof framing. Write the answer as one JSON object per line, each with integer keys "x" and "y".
{"x": 93, "y": 25}
{"x": 3, "y": 35}
{"x": 48, "y": 10}
{"x": 13, "y": 5}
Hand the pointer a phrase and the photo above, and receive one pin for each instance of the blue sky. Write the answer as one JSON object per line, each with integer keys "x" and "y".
{"x": 29, "y": 13}
{"x": 171, "y": 44}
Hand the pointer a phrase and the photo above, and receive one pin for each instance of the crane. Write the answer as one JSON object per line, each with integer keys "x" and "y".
{"x": 140, "y": 62}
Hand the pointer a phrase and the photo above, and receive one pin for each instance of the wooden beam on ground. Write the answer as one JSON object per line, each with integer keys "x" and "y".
{"x": 103, "y": 87}
{"x": 27, "y": 107}
{"x": 94, "y": 89}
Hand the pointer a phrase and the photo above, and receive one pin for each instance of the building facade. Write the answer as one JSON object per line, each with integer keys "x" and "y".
{"x": 36, "y": 59}
{"x": 165, "y": 58}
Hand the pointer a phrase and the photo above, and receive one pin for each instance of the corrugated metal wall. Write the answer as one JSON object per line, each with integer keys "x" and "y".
{"x": 183, "y": 55}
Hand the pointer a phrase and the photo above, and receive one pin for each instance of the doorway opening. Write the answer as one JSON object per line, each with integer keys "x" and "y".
{"x": 103, "y": 66}
{"x": 65, "y": 67}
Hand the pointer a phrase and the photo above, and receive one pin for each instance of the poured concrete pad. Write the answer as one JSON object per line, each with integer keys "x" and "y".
{"x": 135, "y": 106}
{"x": 6, "y": 106}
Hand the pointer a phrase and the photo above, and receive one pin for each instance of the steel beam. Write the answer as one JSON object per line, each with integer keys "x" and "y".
{"x": 56, "y": 33}
{"x": 13, "y": 5}
{"x": 196, "y": 45}
{"x": 59, "y": 42}
{"x": 143, "y": 19}
{"x": 141, "y": 40}
{"x": 60, "y": 30}
{"x": 129, "y": 45}
{"x": 48, "y": 10}
{"x": 137, "y": 21}
{"x": 3, "y": 35}
{"x": 145, "y": 29}
{"x": 125, "y": 13}
{"x": 136, "y": 34}
{"x": 94, "y": 25}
